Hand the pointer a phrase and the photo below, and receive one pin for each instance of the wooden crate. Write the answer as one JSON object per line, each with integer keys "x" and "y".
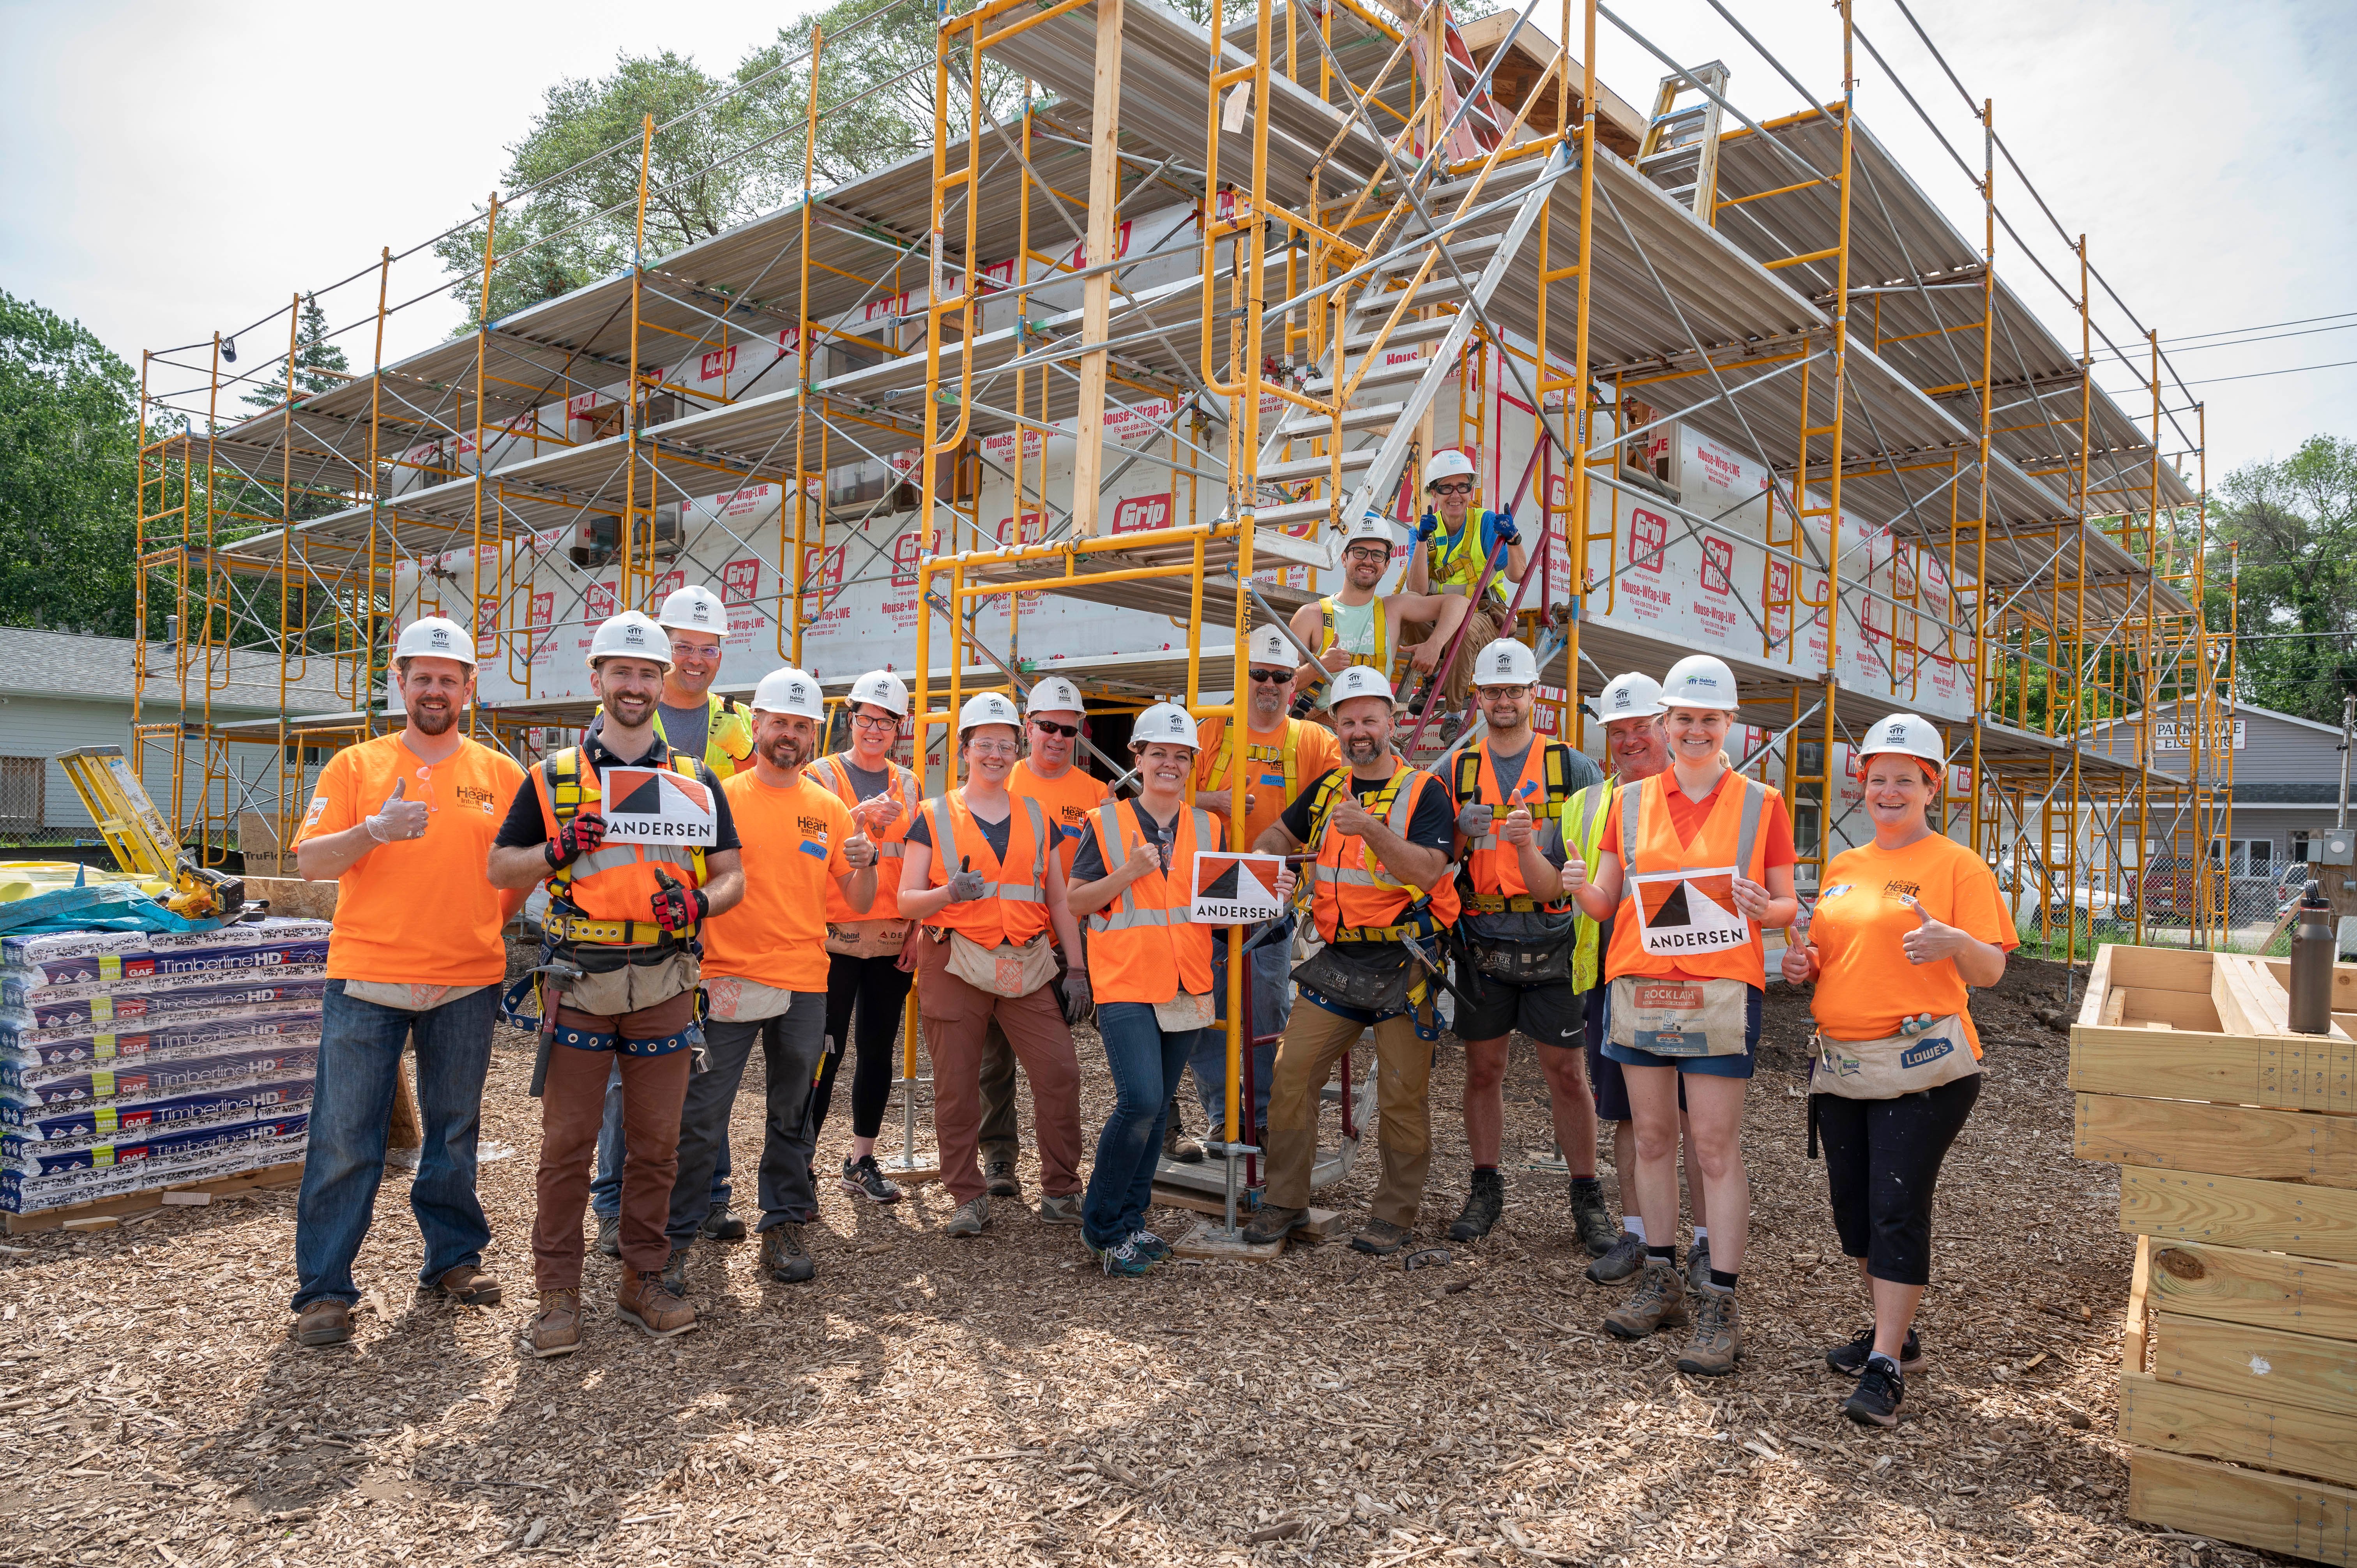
{"x": 2238, "y": 1146}
{"x": 84, "y": 1214}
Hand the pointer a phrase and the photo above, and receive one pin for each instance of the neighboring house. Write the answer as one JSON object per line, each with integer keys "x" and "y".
{"x": 59, "y": 692}
{"x": 2285, "y": 778}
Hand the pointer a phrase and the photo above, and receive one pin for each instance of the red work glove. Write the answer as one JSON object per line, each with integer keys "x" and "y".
{"x": 678, "y": 908}
{"x": 574, "y": 838}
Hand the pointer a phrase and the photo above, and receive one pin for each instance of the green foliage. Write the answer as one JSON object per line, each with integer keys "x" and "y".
{"x": 2294, "y": 527}
{"x": 69, "y": 464}
{"x": 314, "y": 353}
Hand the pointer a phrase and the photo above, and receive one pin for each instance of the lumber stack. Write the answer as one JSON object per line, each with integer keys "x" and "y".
{"x": 2238, "y": 1146}
{"x": 132, "y": 1061}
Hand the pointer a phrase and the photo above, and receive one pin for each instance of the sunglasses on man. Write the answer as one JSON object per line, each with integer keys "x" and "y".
{"x": 1067, "y": 731}
{"x": 1272, "y": 676}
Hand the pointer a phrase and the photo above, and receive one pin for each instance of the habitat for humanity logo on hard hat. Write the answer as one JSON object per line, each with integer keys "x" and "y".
{"x": 437, "y": 638}
{"x": 634, "y": 635}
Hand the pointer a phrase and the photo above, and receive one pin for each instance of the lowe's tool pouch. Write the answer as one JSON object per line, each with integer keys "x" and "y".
{"x": 1894, "y": 1065}
{"x": 1374, "y": 977}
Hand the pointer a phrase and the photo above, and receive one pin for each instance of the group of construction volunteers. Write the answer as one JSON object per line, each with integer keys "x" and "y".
{"x": 1616, "y": 920}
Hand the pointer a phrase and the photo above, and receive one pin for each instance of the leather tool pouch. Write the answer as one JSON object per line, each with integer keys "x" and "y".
{"x": 1374, "y": 976}
{"x": 1524, "y": 963}
{"x": 1011, "y": 969}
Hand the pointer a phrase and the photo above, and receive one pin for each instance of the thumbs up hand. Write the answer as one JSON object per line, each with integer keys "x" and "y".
{"x": 398, "y": 817}
{"x": 1931, "y": 940}
{"x": 859, "y": 850}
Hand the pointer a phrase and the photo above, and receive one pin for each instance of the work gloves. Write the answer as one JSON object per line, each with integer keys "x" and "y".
{"x": 678, "y": 908}
{"x": 398, "y": 817}
{"x": 1078, "y": 997}
{"x": 965, "y": 884}
{"x": 573, "y": 840}
{"x": 1473, "y": 818}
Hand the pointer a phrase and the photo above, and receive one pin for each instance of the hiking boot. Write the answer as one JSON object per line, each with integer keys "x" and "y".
{"x": 723, "y": 1226}
{"x": 1125, "y": 1261}
{"x": 556, "y": 1328}
{"x": 1718, "y": 1341}
{"x": 1659, "y": 1303}
{"x": 969, "y": 1218}
{"x": 1452, "y": 725}
{"x": 1698, "y": 1266}
{"x": 1875, "y": 1399}
{"x": 1592, "y": 1223}
{"x": 468, "y": 1286}
{"x": 1153, "y": 1246}
{"x": 1272, "y": 1225}
{"x": 1626, "y": 1257}
{"x": 866, "y": 1179}
{"x": 784, "y": 1258}
{"x": 1380, "y": 1237}
{"x": 322, "y": 1323}
{"x": 609, "y": 1235}
{"x": 1062, "y": 1209}
{"x": 645, "y": 1300}
{"x": 1850, "y": 1359}
{"x": 674, "y": 1273}
{"x": 1176, "y": 1145}
{"x": 999, "y": 1179}
{"x": 1482, "y": 1207}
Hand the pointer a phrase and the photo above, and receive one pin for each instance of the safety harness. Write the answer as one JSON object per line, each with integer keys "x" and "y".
{"x": 1287, "y": 756}
{"x": 1556, "y": 765}
{"x": 1397, "y": 807}
{"x": 567, "y": 794}
{"x": 1329, "y": 619}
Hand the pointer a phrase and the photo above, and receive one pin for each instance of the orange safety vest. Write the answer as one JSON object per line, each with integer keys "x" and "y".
{"x": 1142, "y": 946}
{"x": 1352, "y": 893}
{"x": 1014, "y": 903}
{"x": 612, "y": 887}
{"x": 1494, "y": 865}
{"x": 1693, "y": 907}
{"x": 890, "y": 850}
{"x": 1223, "y": 750}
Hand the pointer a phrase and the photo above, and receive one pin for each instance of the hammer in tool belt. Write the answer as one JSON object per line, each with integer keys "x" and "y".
{"x": 557, "y": 977}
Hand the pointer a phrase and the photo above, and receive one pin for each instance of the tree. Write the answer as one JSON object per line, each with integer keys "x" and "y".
{"x": 312, "y": 355}
{"x": 2291, "y": 568}
{"x": 68, "y": 463}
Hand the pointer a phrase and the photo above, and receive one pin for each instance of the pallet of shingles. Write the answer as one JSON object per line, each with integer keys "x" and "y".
{"x": 2236, "y": 1141}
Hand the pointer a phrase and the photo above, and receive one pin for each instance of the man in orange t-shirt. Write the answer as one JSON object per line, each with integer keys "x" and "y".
{"x": 1067, "y": 793}
{"x": 765, "y": 969}
{"x": 403, "y": 823}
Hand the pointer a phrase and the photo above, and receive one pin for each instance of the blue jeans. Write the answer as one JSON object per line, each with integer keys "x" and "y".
{"x": 606, "y": 1191}
{"x": 1272, "y": 1006}
{"x": 1146, "y": 1064}
{"x": 351, "y": 1108}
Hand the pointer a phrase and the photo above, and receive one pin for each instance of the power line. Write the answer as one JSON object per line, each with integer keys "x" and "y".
{"x": 2268, "y": 337}
{"x": 2263, "y": 327}
{"x": 2254, "y": 375}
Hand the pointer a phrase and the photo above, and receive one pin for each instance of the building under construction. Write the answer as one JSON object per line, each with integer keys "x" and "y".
{"x": 1093, "y": 387}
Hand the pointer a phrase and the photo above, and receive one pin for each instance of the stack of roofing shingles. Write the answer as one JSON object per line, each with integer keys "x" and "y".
{"x": 132, "y": 1061}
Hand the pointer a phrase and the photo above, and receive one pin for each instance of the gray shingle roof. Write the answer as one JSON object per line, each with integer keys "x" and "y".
{"x": 99, "y": 668}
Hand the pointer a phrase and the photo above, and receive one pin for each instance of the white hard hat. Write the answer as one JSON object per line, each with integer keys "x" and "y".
{"x": 693, "y": 609}
{"x": 435, "y": 637}
{"x": 1371, "y": 525}
{"x": 631, "y": 634}
{"x": 1699, "y": 680}
{"x": 989, "y": 708}
{"x": 1906, "y": 734}
{"x": 1054, "y": 696}
{"x": 1447, "y": 463}
{"x": 1271, "y": 646}
{"x": 1630, "y": 696}
{"x": 884, "y": 689}
{"x": 789, "y": 691}
{"x": 1505, "y": 663}
{"x": 1165, "y": 722}
{"x": 1358, "y": 681}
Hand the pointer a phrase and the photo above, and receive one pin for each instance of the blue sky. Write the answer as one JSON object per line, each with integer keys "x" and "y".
{"x": 172, "y": 169}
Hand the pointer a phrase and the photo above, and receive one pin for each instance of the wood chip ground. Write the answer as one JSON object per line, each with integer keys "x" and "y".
{"x": 999, "y": 1402}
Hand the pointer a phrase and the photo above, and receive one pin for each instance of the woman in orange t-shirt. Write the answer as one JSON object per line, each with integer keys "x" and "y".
{"x": 1903, "y": 925}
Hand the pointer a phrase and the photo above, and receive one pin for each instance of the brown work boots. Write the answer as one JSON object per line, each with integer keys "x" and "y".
{"x": 1659, "y": 1303}
{"x": 556, "y": 1328}
{"x": 646, "y": 1300}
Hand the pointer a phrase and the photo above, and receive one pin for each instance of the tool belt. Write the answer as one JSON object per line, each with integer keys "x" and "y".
{"x": 1521, "y": 963}
{"x": 1372, "y": 974}
{"x": 1905, "y": 1063}
{"x": 1501, "y": 904}
{"x": 609, "y": 933}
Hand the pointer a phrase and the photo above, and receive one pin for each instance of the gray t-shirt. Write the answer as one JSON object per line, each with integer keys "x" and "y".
{"x": 688, "y": 730}
{"x": 863, "y": 784}
{"x": 1511, "y": 927}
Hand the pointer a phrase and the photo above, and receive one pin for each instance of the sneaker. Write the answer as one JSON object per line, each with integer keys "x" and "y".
{"x": 468, "y": 1286}
{"x": 1659, "y": 1303}
{"x": 643, "y": 1299}
{"x": 1698, "y": 1266}
{"x": 1153, "y": 1246}
{"x": 999, "y": 1179}
{"x": 1875, "y": 1401}
{"x": 674, "y": 1273}
{"x": 1060, "y": 1208}
{"x": 1452, "y": 725}
{"x": 1176, "y": 1145}
{"x": 556, "y": 1328}
{"x": 1380, "y": 1237}
{"x": 1718, "y": 1341}
{"x": 609, "y": 1235}
{"x": 1626, "y": 1257}
{"x": 1482, "y": 1207}
{"x": 1272, "y": 1225}
{"x": 784, "y": 1257}
{"x": 969, "y": 1218}
{"x": 322, "y": 1323}
{"x": 723, "y": 1226}
{"x": 1592, "y": 1223}
{"x": 1126, "y": 1260}
{"x": 1850, "y": 1359}
{"x": 867, "y": 1180}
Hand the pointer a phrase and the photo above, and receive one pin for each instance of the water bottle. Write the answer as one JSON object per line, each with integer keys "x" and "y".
{"x": 2314, "y": 947}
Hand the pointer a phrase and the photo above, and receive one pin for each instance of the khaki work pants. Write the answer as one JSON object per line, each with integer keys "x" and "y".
{"x": 1480, "y": 632}
{"x": 1314, "y": 1041}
